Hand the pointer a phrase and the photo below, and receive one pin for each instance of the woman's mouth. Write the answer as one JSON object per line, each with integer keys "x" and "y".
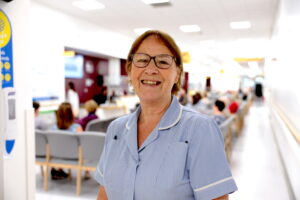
{"x": 150, "y": 82}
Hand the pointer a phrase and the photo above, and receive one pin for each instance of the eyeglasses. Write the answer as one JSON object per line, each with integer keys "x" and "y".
{"x": 162, "y": 61}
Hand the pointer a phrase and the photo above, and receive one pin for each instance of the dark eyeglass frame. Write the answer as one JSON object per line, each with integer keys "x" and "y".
{"x": 154, "y": 59}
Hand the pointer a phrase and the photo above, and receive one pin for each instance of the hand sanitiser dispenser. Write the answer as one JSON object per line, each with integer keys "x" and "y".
{"x": 9, "y": 119}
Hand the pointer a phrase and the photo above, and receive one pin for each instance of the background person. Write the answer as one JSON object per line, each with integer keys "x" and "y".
{"x": 218, "y": 114}
{"x": 101, "y": 98}
{"x": 64, "y": 121}
{"x": 91, "y": 107}
{"x": 73, "y": 98}
{"x": 39, "y": 122}
{"x": 162, "y": 151}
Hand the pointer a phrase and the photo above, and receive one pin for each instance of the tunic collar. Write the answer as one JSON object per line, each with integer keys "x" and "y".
{"x": 170, "y": 118}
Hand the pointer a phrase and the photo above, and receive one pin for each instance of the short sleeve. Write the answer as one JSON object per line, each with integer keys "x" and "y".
{"x": 99, "y": 174}
{"x": 209, "y": 172}
{"x": 99, "y": 170}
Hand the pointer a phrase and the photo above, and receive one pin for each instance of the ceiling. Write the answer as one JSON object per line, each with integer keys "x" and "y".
{"x": 213, "y": 16}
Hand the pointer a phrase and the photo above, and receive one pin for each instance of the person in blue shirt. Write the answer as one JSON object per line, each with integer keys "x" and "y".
{"x": 163, "y": 150}
{"x": 218, "y": 114}
{"x": 65, "y": 119}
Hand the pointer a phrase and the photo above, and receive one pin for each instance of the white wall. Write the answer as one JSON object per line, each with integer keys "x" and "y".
{"x": 51, "y": 31}
{"x": 19, "y": 175}
{"x": 282, "y": 68}
{"x": 282, "y": 78}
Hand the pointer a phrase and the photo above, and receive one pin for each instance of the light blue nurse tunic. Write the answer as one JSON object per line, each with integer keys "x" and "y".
{"x": 182, "y": 159}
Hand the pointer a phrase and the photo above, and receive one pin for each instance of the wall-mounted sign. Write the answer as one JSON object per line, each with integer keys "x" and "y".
{"x": 186, "y": 58}
{"x": 74, "y": 67}
{"x": 6, "y": 54}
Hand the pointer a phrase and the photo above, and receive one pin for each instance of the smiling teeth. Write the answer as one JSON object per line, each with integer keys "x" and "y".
{"x": 150, "y": 82}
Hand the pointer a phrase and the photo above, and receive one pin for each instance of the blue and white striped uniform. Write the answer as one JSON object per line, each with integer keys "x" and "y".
{"x": 182, "y": 159}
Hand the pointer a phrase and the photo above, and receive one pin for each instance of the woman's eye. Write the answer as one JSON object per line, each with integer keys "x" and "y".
{"x": 163, "y": 62}
{"x": 142, "y": 60}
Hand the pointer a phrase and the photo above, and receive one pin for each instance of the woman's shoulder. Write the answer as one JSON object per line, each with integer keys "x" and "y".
{"x": 189, "y": 113}
{"x": 199, "y": 125}
{"x": 195, "y": 120}
{"x": 74, "y": 127}
{"x": 120, "y": 122}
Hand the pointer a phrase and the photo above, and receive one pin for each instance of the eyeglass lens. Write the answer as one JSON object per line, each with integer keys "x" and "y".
{"x": 161, "y": 61}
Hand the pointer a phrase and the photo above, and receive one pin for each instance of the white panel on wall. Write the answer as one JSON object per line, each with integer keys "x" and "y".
{"x": 283, "y": 65}
{"x": 282, "y": 79}
{"x": 51, "y": 31}
{"x": 18, "y": 169}
{"x": 114, "y": 71}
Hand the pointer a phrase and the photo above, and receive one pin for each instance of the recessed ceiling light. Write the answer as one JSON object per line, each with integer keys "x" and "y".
{"x": 88, "y": 5}
{"x": 140, "y": 31}
{"x": 155, "y": 1}
{"x": 208, "y": 43}
{"x": 240, "y": 25}
{"x": 189, "y": 28}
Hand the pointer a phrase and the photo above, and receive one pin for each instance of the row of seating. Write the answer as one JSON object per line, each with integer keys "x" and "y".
{"x": 81, "y": 151}
{"x": 233, "y": 126}
{"x": 99, "y": 125}
{"x": 68, "y": 150}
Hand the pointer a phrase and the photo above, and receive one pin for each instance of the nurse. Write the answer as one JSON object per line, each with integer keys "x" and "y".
{"x": 162, "y": 151}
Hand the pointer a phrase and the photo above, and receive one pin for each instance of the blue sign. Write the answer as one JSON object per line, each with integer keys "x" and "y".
{"x": 74, "y": 67}
{"x": 6, "y": 54}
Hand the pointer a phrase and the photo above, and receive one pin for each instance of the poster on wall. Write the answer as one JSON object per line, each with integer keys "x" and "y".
{"x": 6, "y": 61}
{"x": 7, "y": 92}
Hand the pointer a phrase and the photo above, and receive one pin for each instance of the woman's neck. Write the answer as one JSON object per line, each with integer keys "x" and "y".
{"x": 153, "y": 111}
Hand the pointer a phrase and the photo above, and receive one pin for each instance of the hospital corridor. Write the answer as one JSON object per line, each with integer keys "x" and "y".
{"x": 149, "y": 100}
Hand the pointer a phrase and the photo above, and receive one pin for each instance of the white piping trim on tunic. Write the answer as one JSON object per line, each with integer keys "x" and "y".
{"x": 177, "y": 120}
{"x": 101, "y": 174}
{"x": 213, "y": 184}
{"x": 127, "y": 126}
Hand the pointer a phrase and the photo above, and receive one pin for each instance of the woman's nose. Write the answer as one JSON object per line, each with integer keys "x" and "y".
{"x": 151, "y": 67}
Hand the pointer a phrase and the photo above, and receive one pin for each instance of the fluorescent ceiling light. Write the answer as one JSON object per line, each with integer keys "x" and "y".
{"x": 155, "y": 1}
{"x": 208, "y": 43}
{"x": 140, "y": 31}
{"x": 189, "y": 28}
{"x": 240, "y": 25}
{"x": 88, "y": 5}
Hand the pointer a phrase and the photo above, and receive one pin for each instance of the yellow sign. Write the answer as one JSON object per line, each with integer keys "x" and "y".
{"x": 69, "y": 53}
{"x": 7, "y": 65}
{"x": 5, "y": 32}
{"x": 186, "y": 58}
{"x": 248, "y": 59}
{"x": 7, "y": 77}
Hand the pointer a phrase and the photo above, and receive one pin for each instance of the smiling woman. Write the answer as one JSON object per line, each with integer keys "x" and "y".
{"x": 162, "y": 151}
{"x": 153, "y": 81}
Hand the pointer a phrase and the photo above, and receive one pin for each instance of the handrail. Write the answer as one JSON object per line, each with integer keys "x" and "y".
{"x": 287, "y": 122}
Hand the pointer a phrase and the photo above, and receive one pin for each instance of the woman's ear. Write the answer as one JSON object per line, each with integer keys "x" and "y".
{"x": 177, "y": 78}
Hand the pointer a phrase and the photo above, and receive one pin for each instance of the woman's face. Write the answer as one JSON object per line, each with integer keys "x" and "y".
{"x": 151, "y": 83}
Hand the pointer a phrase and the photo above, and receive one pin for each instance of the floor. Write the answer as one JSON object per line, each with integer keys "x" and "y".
{"x": 255, "y": 161}
{"x": 255, "y": 166}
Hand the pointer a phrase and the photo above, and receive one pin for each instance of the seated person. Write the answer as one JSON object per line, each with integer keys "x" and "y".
{"x": 65, "y": 119}
{"x": 102, "y": 96}
{"x": 40, "y": 123}
{"x": 233, "y": 107}
{"x": 218, "y": 108}
{"x": 183, "y": 98}
{"x": 197, "y": 104}
{"x": 91, "y": 107}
